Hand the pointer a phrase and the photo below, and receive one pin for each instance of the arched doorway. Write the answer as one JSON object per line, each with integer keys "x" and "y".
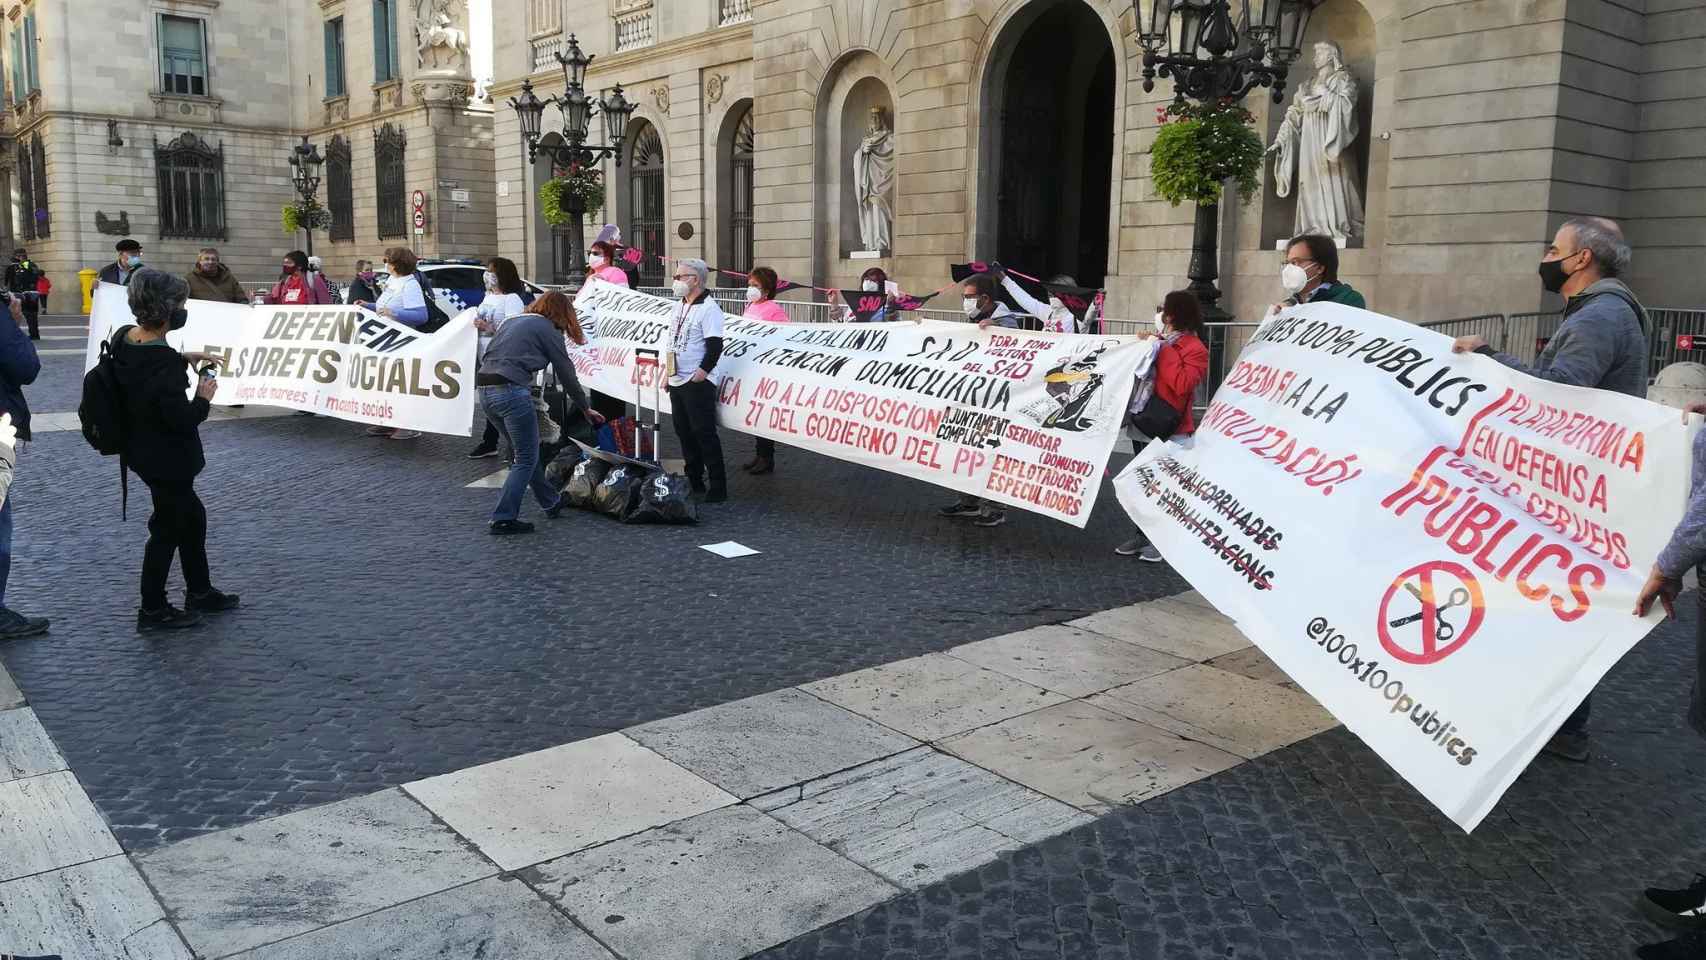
{"x": 734, "y": 186}
{"x": 1049, "y": 179}
{"x": 646, "y": 227}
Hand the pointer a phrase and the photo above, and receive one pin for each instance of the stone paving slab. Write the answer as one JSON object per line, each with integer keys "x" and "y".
{"x": 921, "y": 816}
{"x": 763, "y": 743}
{"x": 542, "y": 805}
{"x": 1093, "y": 759}
{"x": 491, "y": 919}
{"x": 25, "y": 750}
{"x": 1235, "y": 713}
{"x": 719, "y": 886}
{"x": 1183, "y": 629}
{"x": 277, "y": 878}
{"x": 47, "y": 822}
{"x": 1253, "y": 663}
{"x": 92, "y": 911}
{"x": 933, "y": 696}
{"x": 10, "y": 696}
{"x": 1066, "y": 660}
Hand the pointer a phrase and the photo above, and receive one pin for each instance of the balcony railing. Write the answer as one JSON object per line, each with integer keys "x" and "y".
{"x": 635, "y": 27}
{"x": 734, "y": 11}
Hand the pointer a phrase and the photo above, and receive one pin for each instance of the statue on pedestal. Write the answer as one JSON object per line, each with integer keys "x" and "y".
{"x": 873, "y": 175}
{"x": 1314, "y": 141}
{"x": 441, "y": 46}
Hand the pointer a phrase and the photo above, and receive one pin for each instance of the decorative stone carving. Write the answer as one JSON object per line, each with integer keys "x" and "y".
{"x": 1315, "y": 142}
{"x": 445, "y": 91}
{"x": 387, "y": 95}
{"x": 873, "y": 175}
{"x": 660, "y": 98}
{"x": 180, "y": 107}
{"x": 714, "y": 85}
{"x": 441, "y": 40}
{"x": 337, "y": 109}
{"x": 111, "y": 227}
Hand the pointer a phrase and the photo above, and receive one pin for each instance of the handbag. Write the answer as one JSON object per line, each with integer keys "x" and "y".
{"x": 1158, "y": 419}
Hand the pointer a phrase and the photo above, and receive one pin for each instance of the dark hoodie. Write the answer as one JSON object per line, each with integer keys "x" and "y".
{"x": 222, "y": 286}
{"x": 162, "y": 443}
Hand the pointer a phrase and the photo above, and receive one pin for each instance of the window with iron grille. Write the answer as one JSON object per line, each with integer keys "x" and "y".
{"x": 26, "y": 194}
{"x": 340, "y": 189}
{"x": 191, "y": 178}
{"x": 740, "y": 193}
{"x": 183, "y": 55}
{"x": 38, "y": 177}
{"x": 388, "y": 143}
{"x": 646, "y": 227}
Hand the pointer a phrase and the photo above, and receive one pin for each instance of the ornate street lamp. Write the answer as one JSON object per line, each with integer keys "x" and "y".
{"x": 577, "y": 109}
{"x": 1218, "y": 50}
{"x": 305, "y": 164}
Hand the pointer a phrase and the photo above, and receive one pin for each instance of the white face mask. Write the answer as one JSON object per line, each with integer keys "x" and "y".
{"x": 869, "y": 286}
{"x": 490, "y": 279}
{"x": 753, "y": 294}
{"x": 681, "y": 287}
{"x": 969, "y": 305}
{"x": 1160, "y": 322}
{"x": 1294, "y": 278}
{"x": 595, "y": 261}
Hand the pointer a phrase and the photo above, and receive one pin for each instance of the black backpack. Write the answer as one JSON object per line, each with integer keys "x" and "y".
{"x": 436, "y": 317}
{"x": 102, "y": 413}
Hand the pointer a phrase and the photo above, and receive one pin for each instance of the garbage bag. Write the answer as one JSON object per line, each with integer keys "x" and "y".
{"x": 583, "y": 482}
{"x": 615, "y": 494}
{"x": 664, "y": 498}
{"x": 562, "y": 467}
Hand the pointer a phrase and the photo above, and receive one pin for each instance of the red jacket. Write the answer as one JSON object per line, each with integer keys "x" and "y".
{"x": 1179, "y": 367}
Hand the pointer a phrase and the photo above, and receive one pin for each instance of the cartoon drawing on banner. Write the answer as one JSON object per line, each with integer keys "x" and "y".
{"x": 1428, "y": 635}
{"x": 1075, "y": 388}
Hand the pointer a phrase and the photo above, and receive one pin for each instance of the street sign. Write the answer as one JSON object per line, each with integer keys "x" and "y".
{"x": 1685, "y": 341}
{"x": 418, "y": 199}
{"x": 458, "y": 196}
{"x": 420, "y": 220}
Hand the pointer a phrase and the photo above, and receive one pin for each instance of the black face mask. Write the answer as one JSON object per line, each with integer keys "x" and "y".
{"x": 180, "y": 317}
{"x": 1552, "y": 275}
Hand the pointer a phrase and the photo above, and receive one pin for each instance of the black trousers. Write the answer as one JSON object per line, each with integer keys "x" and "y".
{"x": 178, "y": 526}
{"x": 695, "y": 414}
{"x": 490, "y": 437}
{"x": 764, "y": 447}
{"x": 32, "y": 311}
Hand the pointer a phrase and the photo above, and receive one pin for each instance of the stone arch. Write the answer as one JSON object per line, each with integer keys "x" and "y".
{"x": 734, "y": 189}
{"x": 646, "y": 228}
{"x": 858, "y": 80}
{"x": 1012, "y": 24}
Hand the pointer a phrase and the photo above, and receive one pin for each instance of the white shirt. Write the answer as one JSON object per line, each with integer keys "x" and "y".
{"x": 1055, "y": 319}
{"x": 496, "y": 308}
{"x": 400, "y": 293}
{"x": 692, "y": 325}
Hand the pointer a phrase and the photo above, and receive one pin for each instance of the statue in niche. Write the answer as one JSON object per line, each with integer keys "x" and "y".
{"x": 440, "y": 45}
{"x": 873, "y": 175}
{"x": 1314, "y": 142}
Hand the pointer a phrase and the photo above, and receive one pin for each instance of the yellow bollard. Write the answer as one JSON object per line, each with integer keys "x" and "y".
{"x": 86, "y": 277}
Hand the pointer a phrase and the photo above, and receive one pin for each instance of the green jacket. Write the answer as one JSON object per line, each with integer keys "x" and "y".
{"x": 1338, "y": 293}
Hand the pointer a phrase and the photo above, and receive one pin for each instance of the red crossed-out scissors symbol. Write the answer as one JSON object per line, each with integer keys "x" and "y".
{"x": 1436, "y": 637}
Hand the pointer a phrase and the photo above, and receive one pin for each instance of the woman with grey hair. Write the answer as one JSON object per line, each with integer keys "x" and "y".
{"x": 163, "y": 448}
{"x": 696, "y": 343}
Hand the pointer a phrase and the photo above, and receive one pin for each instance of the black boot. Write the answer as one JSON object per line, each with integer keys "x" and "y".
{"x": 167, "y": 617}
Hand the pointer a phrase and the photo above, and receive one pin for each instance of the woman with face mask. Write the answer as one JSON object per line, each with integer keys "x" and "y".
{"x": 297, "y": 285}
{"x": 601, "y": 264}
{"x": 1054, "y": 315}
{"x": 163, "y": 449}
{"x": 362, "y": 289}
{"x": 506, "y": 296}
{"x": 761, "y": 305}
{"x": 873, "y": 280}
{"x": 1161, "y": 405}
{"x": 404, "y": 301}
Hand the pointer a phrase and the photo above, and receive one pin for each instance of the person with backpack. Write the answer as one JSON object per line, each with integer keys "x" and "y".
{"x": 405, "y": 299}
{"x": 506, "y": 296}
{"x": 162, "y": 446}
{"x": 19, "y": 365}
{"x": 297, "y": 284}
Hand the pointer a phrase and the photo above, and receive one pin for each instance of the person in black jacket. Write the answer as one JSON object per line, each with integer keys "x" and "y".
{"x": 19, "y": 365}
{"x": 22, "y": 275}
{"x": 163, "y": 449}
{"x": 129, "y": 261}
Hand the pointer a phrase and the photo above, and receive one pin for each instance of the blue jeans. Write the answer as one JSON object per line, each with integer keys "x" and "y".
{"x": 511, "y": 408}
{"x": 6, "y": 543}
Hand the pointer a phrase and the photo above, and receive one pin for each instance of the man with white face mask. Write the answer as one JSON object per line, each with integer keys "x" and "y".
{"x": 980, "y": 307}
{"x": 696, "y": 343}
{"x": 1311, "y": 274}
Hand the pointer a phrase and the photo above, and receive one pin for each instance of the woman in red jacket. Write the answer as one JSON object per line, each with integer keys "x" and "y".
{"x": 1177, "y": 369}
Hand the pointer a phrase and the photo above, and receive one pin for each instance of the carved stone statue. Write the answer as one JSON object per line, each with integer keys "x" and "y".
{"x": 873, "y": 175}
{"x": 440, "y": 45}
{"x": 1314, "y": 142}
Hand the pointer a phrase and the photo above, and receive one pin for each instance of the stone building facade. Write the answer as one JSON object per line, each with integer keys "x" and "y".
{"x": 1021, "y": 132}
{"x": 171, "y": 121}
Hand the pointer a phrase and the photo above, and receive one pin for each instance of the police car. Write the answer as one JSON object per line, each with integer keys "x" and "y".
{"x": 457, "y": 283}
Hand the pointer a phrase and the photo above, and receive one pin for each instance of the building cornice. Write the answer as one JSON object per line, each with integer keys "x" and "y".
{"x": 611, "y": 63}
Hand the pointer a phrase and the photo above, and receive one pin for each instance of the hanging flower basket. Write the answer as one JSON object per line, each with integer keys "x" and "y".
{"x": 1201, "y": 146}
{"x": 305, "y": 214}
{"x": 584, "y": 183}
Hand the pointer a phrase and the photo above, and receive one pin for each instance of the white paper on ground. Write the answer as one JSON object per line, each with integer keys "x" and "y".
{"x": 729, "y": 549}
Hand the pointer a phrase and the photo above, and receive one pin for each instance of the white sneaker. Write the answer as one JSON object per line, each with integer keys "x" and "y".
{"x": 405, "y": 434}
{"x": 377, "y": 431}
{"x": 1149, "y": 553}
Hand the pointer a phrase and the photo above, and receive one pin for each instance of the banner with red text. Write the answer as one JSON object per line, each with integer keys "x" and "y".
{"x": 1020, "y": 418}
{"x": 337, "y": 360}
{"x": 1443, "y": 551}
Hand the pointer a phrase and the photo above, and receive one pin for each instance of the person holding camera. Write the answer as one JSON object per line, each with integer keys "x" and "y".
{"x": 163, "y": 449}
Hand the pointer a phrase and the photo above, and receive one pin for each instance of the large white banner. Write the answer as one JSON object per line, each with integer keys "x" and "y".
{"x": 336, "y": 360}
{"x": 1025, "y": 419}
{"x": 1442, "y": 551}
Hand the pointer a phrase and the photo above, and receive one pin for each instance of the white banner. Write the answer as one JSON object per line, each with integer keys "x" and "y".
{"x": 1024, "y": 419}
{"x": 1442, "y": 551}
{"x": 336, "y": 360}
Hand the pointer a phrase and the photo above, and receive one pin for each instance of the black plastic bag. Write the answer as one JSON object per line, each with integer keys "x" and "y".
{"x": 663, "y": 498}
{"x": 615, "y": 494}
{"x": 583, "y": 482}
{"x": 559, "y": 470}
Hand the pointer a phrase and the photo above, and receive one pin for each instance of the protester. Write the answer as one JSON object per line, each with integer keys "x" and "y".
{"x": 44, "y": 286}
{"x": 601, "y": 264}
{"x": 23, "y": 278}
{"x": 212, "y": 280}
{"x": 761, "y": 305}
{"x": 1054, "y": 315}
{"x": 163, "y": 448}
{"x": 1311, "y": 274}
{"x": 696, "y": 343}
{"x": 873, "y": 280}
{"x": 361, "y": 288}
{"x": 522, "y": 346}
{"x": 402, "y": 300}
{"x": 19, "y": 365}
{"x": 1601, "y": 344}
{"x": 128, "y": 262}
{"x": 980, "y": 307}
{"x": 1178, "y": 367}
{"x": 297, "y": 284}
{"x": 506, "y": 296}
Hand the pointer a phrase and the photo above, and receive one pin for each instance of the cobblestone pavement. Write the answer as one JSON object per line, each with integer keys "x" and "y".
{"x": 1321, "y": 851}
{"x": 385, "y": 637}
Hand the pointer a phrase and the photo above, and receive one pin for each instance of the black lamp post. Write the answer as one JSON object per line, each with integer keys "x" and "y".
{"x": 1214, "y": 53}
{"x": 305, "y": 163}
{"x": 577, "y": 109}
